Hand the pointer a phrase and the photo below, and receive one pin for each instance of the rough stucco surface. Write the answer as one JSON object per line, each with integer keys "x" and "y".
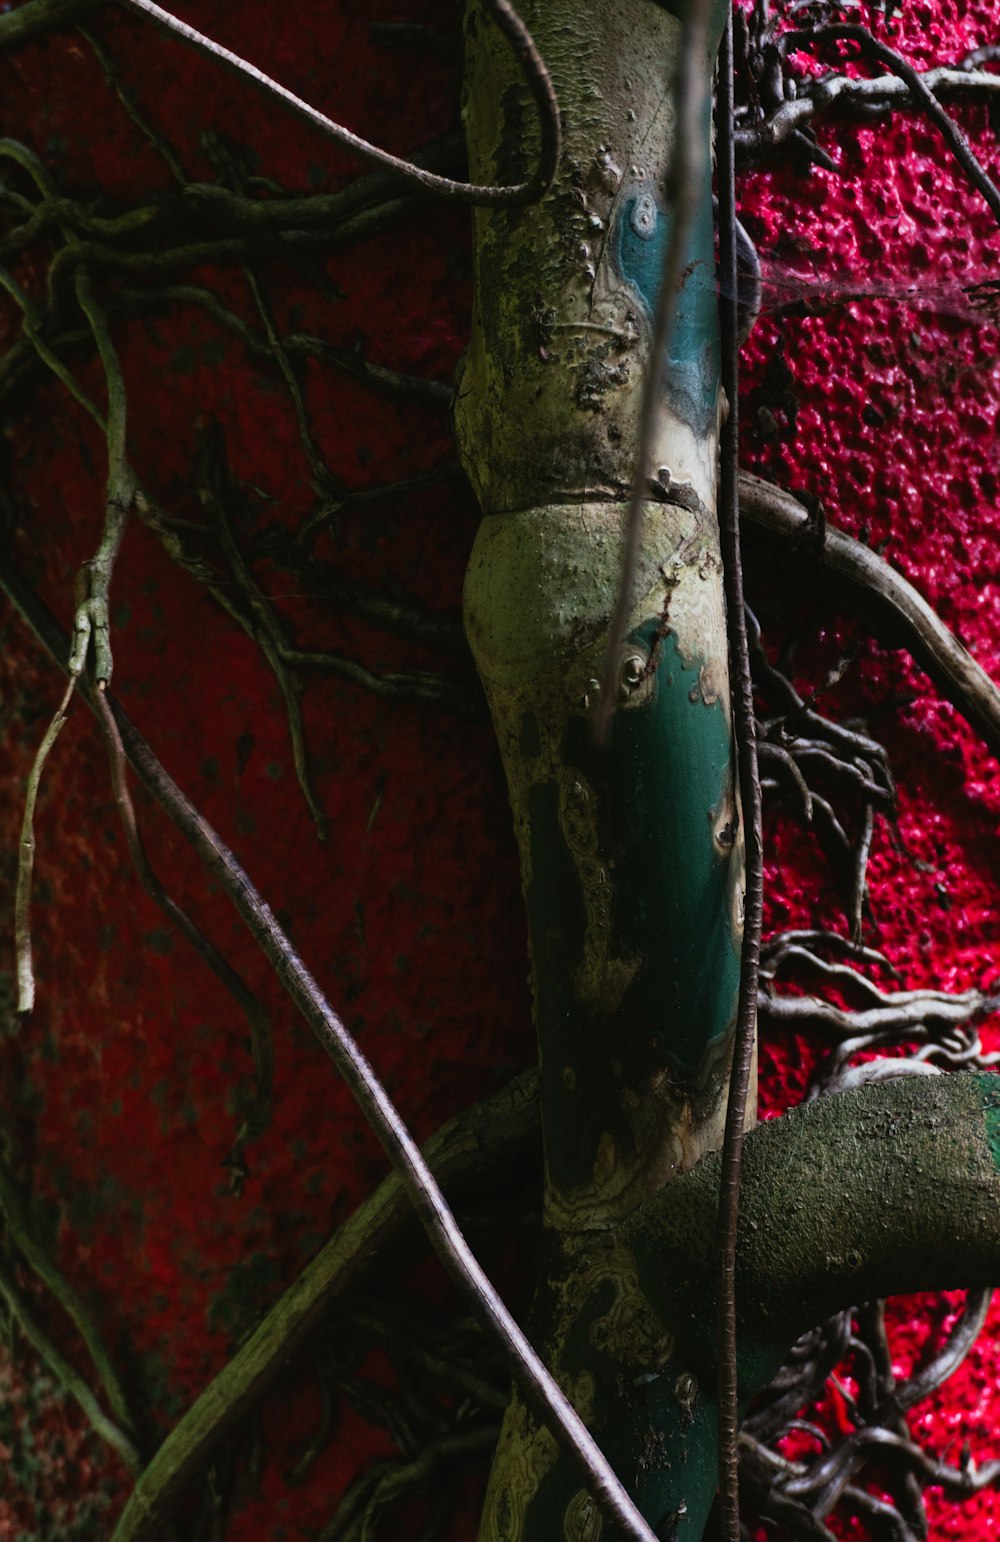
{"x": 123, "y": 1090}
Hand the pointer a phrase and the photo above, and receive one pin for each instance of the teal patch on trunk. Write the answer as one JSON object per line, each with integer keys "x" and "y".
{"x": 691, "y": 370}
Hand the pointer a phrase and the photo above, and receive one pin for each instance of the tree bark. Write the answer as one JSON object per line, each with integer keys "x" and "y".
{"x": 631, "y": 853}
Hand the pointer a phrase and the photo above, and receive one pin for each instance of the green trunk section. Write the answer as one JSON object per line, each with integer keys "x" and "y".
{"x": 631, "y": 854}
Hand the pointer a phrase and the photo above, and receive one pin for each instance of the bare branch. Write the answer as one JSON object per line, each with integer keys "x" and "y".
{"x": 535, "y": 74}
{"x": 891, "y": 601}
{"x": 879, "y": 94}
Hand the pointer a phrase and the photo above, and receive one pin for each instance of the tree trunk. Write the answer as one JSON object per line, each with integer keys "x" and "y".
{"x": 631, "y": 854}
{"x": 632, "y": 851}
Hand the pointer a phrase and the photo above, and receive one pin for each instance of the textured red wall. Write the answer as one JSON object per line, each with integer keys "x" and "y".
{"x": 122, "y": 1090}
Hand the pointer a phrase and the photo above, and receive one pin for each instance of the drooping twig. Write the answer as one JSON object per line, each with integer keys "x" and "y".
{"x": 26, "y": 858}
{"x": 539, "y": 1390}
{"x": 535, "y": 74}
{"x": 750, "y": 797}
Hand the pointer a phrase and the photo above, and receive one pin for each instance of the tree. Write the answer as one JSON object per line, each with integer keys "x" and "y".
{"x": 253, "y": 522}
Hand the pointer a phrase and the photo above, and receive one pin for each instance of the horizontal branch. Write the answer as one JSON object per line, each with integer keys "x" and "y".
{"x": 900, "y": 615}
{"x": 879, "y": 95}
{"x": 884, "y": 1190}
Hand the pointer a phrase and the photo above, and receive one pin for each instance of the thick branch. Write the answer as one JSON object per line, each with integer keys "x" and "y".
{"x": 888, "y": 1189}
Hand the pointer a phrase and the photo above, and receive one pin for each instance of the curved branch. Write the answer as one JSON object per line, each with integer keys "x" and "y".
{"x": 535, "y": 74}
{"x": 888, "y": 599}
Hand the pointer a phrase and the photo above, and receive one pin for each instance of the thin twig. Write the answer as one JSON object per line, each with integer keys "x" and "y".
{"x": 750, "y": 796}
{"x": 257, "y": 1019}
{"x": 536, "y": 78}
